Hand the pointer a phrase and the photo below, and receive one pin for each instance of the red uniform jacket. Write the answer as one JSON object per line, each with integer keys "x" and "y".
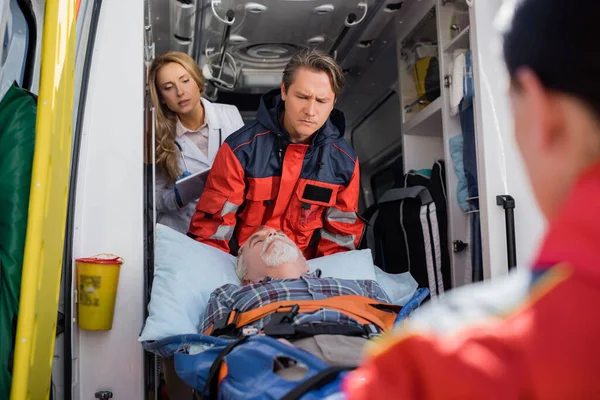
{"x": 533, "y": 335}
{"x": 260, "y": 178}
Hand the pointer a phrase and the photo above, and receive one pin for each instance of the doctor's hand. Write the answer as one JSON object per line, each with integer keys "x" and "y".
{"x": 177, "y": 195}
{"x": 185, "y": 175}
{"x": 178, "y": 198}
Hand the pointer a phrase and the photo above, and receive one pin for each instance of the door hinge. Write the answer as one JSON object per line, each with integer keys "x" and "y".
{"x": 458, "y": 246}
{"x": 447, "y": 81}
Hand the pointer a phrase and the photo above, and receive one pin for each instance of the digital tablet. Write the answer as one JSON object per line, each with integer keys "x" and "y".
{"x": 191, "y": 187}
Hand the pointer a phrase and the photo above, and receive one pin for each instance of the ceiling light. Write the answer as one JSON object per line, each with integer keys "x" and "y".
{"x": 237, "y": 39}
{"x": 255, "y": 8}
{"x": 324, "y": 9}
{"x": 316, "y": 40}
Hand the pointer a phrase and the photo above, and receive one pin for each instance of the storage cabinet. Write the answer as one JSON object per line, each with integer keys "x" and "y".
{"x": 418, "y": 76}
{"x": 437, "y": 124}
{"x": 463, "y": 219}
{"x": 428, "y": 126}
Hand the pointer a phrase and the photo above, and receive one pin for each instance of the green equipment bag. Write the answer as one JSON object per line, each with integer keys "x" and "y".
{"x": 17, "y": 137}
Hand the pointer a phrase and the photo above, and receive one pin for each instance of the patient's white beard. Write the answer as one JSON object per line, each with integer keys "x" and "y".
{"x": 281, "y": 252}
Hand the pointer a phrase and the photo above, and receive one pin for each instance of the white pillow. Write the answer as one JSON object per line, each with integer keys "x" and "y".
{"x": 358, "y": 265}
{"x": 355, "y": 265}
{"x": 399, "y": 287}
{"x": 185, "y": 274}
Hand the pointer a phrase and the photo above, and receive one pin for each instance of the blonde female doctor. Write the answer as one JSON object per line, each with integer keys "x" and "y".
{"x": 189, "y": 131}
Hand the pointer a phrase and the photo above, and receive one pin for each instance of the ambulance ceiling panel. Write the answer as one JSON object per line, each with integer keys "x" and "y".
{"x": 266, "y": 33}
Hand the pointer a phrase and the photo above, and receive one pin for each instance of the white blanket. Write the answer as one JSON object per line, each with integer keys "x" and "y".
{"x": 458, "y": 75}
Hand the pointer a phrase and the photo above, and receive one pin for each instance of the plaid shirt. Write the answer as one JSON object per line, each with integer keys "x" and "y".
{"x": 308, "y": 287}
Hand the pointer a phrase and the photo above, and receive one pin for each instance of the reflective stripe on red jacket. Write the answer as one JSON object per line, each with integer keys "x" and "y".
{"x": 260, "y": 178}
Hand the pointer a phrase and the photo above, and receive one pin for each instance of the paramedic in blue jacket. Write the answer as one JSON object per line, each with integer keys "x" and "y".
{"x": 291, "y": 169}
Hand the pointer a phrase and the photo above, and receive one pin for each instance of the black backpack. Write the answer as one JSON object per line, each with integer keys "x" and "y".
{"x": 407, "y": 230}
{"x": 436, "y": 184}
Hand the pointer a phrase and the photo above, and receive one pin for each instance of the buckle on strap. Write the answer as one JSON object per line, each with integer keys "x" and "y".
{"x": 280, "y": 324}
{"x": 371, "y": 331}
{"x": 280, "y": 317}
{"x": 223, "y": 326}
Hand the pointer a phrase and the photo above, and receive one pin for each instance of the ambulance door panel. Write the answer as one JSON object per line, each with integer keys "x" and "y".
{"x": 501, "y": 170}
{"x": 109, "y": 202}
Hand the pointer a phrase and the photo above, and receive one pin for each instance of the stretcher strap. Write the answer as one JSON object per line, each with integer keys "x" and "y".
{"x": 316, "y": 381}
{"x": 362, "y": 309}
{"x": 309, "y": 330}
{"x": 212, "y": 381}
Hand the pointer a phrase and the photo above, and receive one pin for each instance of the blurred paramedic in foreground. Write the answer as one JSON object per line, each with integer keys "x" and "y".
{"x": 291, "y": 169}
{"x": 534, "y": 334}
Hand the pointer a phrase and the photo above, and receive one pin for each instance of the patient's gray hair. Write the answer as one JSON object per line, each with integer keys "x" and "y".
{"x": 240, "y": 267}
{"x": 241, "y": 270}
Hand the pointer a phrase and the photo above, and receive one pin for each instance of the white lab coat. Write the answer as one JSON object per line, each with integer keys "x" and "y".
{"x": 221, "y": 117}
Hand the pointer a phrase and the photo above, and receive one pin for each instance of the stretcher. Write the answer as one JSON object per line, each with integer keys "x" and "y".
{"x": 238, "y": 366}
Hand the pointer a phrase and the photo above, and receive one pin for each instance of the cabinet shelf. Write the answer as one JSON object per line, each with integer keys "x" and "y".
{"x": 461, "y": 41}
{"x": 427, "y": 122}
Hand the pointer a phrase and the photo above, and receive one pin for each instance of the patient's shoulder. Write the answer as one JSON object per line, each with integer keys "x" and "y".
{"x": 226, "y": 290}
{"x": 367, "y": 288}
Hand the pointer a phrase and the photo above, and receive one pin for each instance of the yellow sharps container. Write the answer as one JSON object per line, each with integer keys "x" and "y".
{"x": 97, "y": 283}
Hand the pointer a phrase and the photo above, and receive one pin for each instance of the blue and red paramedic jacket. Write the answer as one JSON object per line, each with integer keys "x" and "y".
{"x": 532, "y": 335}
{"x": 260, "y": 178}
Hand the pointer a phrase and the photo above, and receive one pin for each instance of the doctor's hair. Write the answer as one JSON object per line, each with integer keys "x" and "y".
{"x": 317, "y": 61}
{"x": 167, "y": 154}
{"x": 556, "y": 40}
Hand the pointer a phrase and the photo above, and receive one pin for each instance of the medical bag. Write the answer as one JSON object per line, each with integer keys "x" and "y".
{"x": 407, "y": 230}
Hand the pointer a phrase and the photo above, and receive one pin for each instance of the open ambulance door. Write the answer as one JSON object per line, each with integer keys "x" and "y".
{"x": 36, "y": 327}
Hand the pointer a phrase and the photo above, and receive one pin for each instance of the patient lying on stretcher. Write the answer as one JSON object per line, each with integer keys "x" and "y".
{"x": 327, "y": 320}
{"x": 272, "y": 269}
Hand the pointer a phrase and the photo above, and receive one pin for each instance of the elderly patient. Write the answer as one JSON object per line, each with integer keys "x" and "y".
{"x": 272, "y": 269}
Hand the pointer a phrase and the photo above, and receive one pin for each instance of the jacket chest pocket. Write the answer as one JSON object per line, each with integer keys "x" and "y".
{"x": 310, "y": 201}
{"x": 260, "y": 200}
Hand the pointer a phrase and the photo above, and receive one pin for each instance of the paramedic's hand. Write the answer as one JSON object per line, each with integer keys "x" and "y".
{"x": 177, "y": 196}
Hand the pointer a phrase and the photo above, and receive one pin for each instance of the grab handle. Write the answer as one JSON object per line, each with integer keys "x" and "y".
{"x": 508, "y": 203}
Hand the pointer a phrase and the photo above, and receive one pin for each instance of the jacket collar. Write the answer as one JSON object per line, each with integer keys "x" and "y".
{"x": 574, "y": 235}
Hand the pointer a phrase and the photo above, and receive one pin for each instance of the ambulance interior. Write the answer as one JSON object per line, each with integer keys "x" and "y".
{"x": 402, "y": 108}
{"x": 394, "y": 122}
